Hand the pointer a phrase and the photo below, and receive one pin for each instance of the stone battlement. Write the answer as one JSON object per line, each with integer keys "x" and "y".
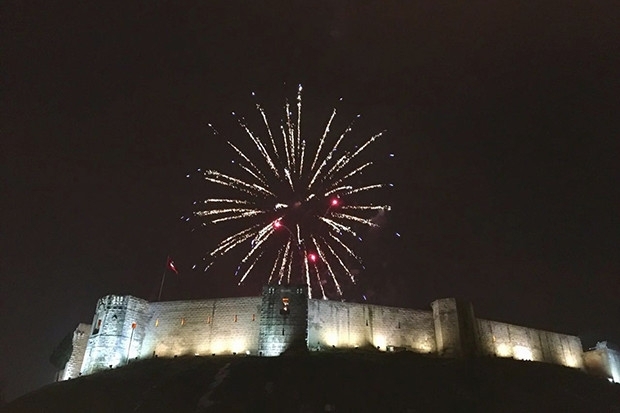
{"x": 284, "y": 318}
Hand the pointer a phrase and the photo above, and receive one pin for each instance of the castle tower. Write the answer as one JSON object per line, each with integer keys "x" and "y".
{"x": 118, "y": 328}
{"x": 456, "y": 331}
{"x": 79, "y": 342}
{"x": 283, "y": 319}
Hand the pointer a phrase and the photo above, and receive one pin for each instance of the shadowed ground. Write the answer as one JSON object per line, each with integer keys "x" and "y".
{"x": 358, "y": 381}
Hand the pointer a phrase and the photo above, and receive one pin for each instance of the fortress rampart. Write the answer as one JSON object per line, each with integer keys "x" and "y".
{"x": 284, "y": 318}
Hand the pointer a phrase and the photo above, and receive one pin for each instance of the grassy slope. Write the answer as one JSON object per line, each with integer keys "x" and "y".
{"x": 351, "y": 381}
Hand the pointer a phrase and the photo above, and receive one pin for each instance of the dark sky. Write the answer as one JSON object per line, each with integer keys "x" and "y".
{"x": 503, "y": 117}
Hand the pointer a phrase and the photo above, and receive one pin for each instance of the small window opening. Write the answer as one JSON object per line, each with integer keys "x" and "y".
{"x": 285, "y": 310}
{"x": 235, "y": 318}
{"x": 98, "y": 327}
{"x": 253, "y": 317}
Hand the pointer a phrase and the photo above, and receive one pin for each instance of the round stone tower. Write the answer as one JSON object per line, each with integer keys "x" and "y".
{"x": 118, "y": 329}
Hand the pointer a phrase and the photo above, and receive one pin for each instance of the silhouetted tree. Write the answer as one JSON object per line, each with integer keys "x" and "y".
{"x": 61, "y": 354}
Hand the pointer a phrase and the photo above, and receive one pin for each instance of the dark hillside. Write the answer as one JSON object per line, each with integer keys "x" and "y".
{"x": 317, "y": 382}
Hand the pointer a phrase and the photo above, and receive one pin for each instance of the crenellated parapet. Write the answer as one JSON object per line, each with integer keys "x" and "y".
{"x": 117, "y": 332}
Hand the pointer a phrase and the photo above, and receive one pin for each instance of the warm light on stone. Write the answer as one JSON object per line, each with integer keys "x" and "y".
{"x": 522, "y": 353}
{"x": 125, "y": 328}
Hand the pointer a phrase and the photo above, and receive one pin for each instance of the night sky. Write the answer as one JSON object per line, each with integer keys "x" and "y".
{"x": 504, "y": 119}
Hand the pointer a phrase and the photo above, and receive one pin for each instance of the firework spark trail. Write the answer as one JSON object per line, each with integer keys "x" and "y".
{"x": 346, "y": 158}
{"x": 330, "y": 271}
{"x": 291, "y": 139}
{"x": 284, "y": 261}
{"x": 319, "y": 212}
{"x": 258, "y": 241}
{"x": 344, "y": 267}
{"x": 238, "y": 216}
{"x": 338, "y": 226}
{"x": 364, "y": 188}
{"x": 330, "y": 154}
{"x": 322, "y": 140}
{"x": 367, "y": 207}
{"x": 233, "y": 240}
{"x": 343, "y": 245}
{"x": 306, "y": 267}
{"x": 289, "y": 266}
{"x": 275, "y": 265}
{"x": 223, "y": 179}
{"x": 261, "y": 149}
{"x": 268, "y": 127}
{"x": 319, "y": 281}
{"x": 354, "y": 218}
{"x": 252, "y": 169}
{"x": 299, "y": 143}
{"x": 224, "y": 211}
{"x": 338, "y": 189}
{"x": 352, "y": 173}
{"x": 228, "y": 201}
{"x": 250, "y": 268}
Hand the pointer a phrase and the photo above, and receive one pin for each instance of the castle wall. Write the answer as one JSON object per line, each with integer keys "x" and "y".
{"x": 522, "y": 343}
{"x": 79, "y": 342}
{"x": 603, "y": 362}
{"x": 218, "y": 326}
{"x": 118, "y": 328}
{"x": 125, "y": 327}
{"x": 338, "y": 324}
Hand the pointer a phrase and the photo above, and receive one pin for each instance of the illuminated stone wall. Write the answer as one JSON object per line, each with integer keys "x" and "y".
{"x": 219, "y": 326}
{"x": 522, "y": 343}
{"x": 126, "y": 327}
{"x": 284, "y": 320}
{"x": 342, "y": 325}
{"x": 456, "y": 328}
{"x": 603, "y": 362}
{"x": 79, "y": 342}
{"x": 118, "y": 328}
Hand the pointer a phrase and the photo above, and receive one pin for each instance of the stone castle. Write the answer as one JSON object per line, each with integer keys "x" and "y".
{"x": 284, "y": 318}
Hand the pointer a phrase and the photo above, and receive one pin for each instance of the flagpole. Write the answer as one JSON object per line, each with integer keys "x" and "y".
{"x": 161, "y": 287}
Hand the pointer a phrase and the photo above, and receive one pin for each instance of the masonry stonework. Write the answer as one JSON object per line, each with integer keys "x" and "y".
{"x": 342, "y": 325}
{"x": 202, "y": 327}
{"x": 118, "y": 330}
{"x": 603, "y": 361}
{"x": 284, "y": 318}
{"x": 79, "y": 343}
{"x": 507, "y": 340}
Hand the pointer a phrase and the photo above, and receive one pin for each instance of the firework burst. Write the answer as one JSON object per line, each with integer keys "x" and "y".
{"x": 296, "y": 202}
